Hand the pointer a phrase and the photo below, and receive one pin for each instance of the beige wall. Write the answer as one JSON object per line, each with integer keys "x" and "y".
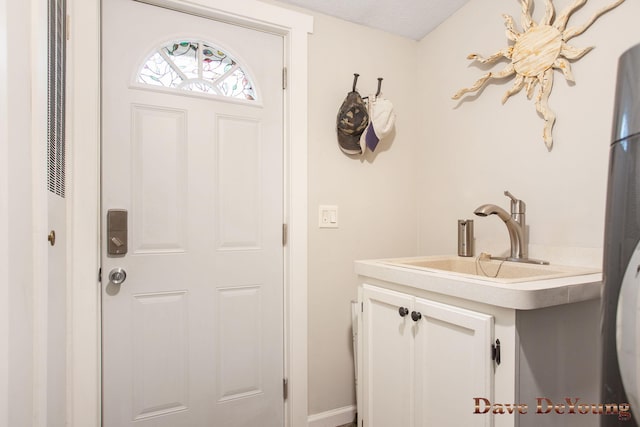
{"x": 375, "y": 195}
{"x": 480, "y": 148}
{"x": 448, "y": 158}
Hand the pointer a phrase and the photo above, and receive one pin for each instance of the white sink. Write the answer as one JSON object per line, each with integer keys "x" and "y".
{"x": 490, "y": 270}
{"x": 499, "y": 283}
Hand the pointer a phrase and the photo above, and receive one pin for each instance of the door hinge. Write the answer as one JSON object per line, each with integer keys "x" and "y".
{"x": 285, "y": 232}
{"x": 284, "y": 78}
{"x": 285, "y": 388}
{"x": 362, "y": 307}
{"x": 100, "y": 275}
{"x": 495, "y": 352}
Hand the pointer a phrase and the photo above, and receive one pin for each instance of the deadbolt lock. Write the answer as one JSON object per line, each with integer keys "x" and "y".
{"x": 117, "y": 230}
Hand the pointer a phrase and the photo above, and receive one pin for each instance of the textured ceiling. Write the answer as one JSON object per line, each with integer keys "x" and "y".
{"x": 408, "y": 18}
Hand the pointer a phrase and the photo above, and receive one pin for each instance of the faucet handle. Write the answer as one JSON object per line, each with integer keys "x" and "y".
{"x": 517, "y": 206}
{"x": 511, "y": 196}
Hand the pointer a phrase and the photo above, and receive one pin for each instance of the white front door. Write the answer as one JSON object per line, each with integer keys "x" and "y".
{"x": 194, "y": 335}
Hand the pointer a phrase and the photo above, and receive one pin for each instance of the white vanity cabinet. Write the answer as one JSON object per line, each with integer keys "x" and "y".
{"x": 429, "y": 371}
{"x": 420, "y": 359}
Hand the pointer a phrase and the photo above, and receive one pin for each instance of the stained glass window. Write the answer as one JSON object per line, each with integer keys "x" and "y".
{"x": 196, "y": 66}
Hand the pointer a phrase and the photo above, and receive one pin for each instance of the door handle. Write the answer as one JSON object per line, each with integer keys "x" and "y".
{"x": 117, "y": 276}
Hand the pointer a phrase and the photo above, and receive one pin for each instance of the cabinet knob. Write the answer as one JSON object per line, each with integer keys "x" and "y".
{"x": 403, "y": 311}
{"x": 416, "y": 315}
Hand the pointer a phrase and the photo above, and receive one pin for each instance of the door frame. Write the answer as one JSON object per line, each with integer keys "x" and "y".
{"x": 84, "y": 389}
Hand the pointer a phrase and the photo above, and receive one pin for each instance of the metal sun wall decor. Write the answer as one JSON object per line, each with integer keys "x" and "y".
{"x": 535, "y": 53}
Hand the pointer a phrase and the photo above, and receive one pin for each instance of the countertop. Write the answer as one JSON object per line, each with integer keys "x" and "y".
{"x": 525, "y": 295}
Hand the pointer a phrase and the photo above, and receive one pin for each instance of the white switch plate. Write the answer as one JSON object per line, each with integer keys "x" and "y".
{"x": 328, "y": 216}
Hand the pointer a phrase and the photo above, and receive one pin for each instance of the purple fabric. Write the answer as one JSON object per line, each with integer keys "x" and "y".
{"x": 371, "y": 138}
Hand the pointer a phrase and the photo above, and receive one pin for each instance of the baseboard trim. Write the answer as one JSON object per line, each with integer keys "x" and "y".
{"x": 333, "y": 418}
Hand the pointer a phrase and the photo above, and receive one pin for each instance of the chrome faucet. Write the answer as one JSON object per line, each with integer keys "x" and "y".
{"x": 516, "y": 226}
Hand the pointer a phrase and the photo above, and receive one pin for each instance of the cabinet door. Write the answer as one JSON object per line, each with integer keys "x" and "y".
{"x": 453, "y": 365}
{"x": 387, "y": 358}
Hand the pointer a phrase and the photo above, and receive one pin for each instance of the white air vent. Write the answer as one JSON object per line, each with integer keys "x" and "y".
{"x": 56, "y": 98}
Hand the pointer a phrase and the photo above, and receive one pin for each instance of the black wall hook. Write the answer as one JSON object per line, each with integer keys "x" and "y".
{"x": 355, "y": 81}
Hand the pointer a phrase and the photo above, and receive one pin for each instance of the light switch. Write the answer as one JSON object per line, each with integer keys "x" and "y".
{"x": 328, "y": 216}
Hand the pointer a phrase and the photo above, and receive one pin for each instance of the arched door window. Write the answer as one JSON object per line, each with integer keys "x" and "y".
{"x": 198, "y": 66}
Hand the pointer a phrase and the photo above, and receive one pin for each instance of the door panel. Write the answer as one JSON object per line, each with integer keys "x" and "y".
{"x": 453, "y": 364}
{"x": 56, "y": 319}
{"x": 160, "y": 380}
{"x": 388, "y": 360}
{"x": 419, "y": 358}
{"x": 239, "y": 160}
{"x": 52, "y": 315}
{"x": 194, "y": 335}
{"x": 159, "y": 183}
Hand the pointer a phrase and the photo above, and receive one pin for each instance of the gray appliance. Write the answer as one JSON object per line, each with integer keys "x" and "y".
{"x": 621, "y": 269}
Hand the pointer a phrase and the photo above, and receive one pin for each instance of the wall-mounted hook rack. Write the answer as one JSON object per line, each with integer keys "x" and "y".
{"x": 355, "y": 81}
